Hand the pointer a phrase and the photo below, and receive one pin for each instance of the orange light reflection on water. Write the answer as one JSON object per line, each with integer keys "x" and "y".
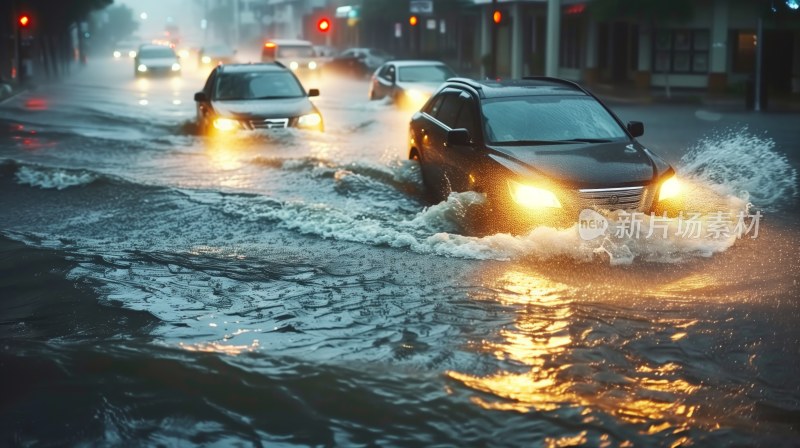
{"x": 549, "y": 341}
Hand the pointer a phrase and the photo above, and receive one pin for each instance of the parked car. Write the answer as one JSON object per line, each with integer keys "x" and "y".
{"x": 238, "y": 97}
{"x": 357, "y": 62}
{"x": 297, "y": 55}
{"x": 409, "y": 83}
{"x": 215, "y": 55}
{"x": 541, "y": 149}
{"x": 156, "y": 60}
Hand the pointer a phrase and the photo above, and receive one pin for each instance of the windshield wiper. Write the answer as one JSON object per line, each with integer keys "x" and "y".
{"x": 588, "y": 140}
{"x": 531, "y": 142}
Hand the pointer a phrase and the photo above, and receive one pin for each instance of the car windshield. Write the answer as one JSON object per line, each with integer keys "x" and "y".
{"x": 424, "y": 73}
{"x": 548, "y": 118}
{"x": 257, "y": 85}
{"x": 295, "y": 51}
{"x": 156, "y": 52}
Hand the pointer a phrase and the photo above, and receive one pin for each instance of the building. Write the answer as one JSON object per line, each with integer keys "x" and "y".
{"x": 714, "y": 48}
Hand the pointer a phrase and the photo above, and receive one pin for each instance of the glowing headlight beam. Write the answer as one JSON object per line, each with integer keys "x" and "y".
{"x": 142, "y": 68}
{"x": 176, "y": 67}
{"x": 532, "y": 197}
{"x": 294, "y": 65}
{"x": 670, "y": 188}
{"x": 310, "y": 120}
{"x": 226, "y": 124}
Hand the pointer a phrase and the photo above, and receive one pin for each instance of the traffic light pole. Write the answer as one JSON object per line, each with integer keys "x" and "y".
{"x": 493, "y": 51}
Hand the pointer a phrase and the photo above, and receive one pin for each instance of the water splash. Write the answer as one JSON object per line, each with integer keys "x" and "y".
{"x": 51, "y": 178}
{"x": 740, "y": 163}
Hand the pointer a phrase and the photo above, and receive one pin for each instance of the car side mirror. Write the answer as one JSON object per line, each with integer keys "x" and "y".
{"x": 458, "y": 137}
{"x": 200, "y": 97}
{"x": 636, "y": 128}
{"x": 313, "y": 92}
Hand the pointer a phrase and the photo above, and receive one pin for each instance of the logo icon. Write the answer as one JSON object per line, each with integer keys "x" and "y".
{"x": 591, "y": 224}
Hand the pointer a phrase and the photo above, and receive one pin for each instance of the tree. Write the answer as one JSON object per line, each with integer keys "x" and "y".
{"x": 119, "y": 25}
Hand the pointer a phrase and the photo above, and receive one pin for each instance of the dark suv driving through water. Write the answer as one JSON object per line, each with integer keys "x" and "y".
{"x": 541, "y": 149}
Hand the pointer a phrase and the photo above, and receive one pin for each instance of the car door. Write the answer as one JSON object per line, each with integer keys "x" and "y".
{"x": 460, "y": 161}
{"x": 443, "y": 119}
{"x": 204, "y": 110}
{"x": 386, "y": 80}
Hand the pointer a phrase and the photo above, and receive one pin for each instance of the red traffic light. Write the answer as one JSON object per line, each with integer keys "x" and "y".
{"x": 24, "y": 21}
{"x": 324, "y": 25}
{"x": 497, "y": 17}
{"x": 412, "y": 20}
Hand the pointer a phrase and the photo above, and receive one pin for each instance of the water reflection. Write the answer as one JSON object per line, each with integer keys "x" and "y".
{"x": 559, "y": 358}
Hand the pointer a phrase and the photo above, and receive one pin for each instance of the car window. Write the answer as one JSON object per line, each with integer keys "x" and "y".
{"x": 156, "y": 52}
{"x": 210, "y": 82}
{"x": 296, "y": 51}
{"x": 518, "y": 119}
{"x": 467, "y": 115}
{"x": 448, "y": 112}
{"x": 425, "y": 73}
{"x": 433, "y": 106}
{"x": 257, "y": 85}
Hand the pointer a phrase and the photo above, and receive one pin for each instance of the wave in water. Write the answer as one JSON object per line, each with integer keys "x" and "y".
{"x": 53, "y": 178}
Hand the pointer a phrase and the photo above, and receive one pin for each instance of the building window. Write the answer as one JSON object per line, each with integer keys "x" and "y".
{"x": 681, "y": 51}
{"x": 571, "y": 43}
{"x": 744, "y": 53}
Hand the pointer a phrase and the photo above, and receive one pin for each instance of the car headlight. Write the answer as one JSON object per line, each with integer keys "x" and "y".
{"x": 183, "y": 54}
{"x": 312, "y": 65}
{"x": 117, "y": 54}
{"x": 310, "y": 120}
{"x": 226, "y": 124}
{"x": 176, "y": 67}
{"x": 669, "y": 188}
{"x": 206, "y": 60}
{"x": 532, "y": 197}
{"x": 142, "y": 68}
{"x": 131, "y": 54}
{"x": 294, "y": 65}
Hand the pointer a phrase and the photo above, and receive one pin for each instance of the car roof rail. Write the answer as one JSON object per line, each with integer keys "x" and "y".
{"x": 563, "y": 81}
{"x": 279, "y": 64}
{"x": 470, "y": 82}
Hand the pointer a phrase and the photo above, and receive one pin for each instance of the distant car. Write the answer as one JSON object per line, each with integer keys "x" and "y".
{"x": 297, "y": 55}
{"x": 408, "y": 83}
{"x": 255, "y": 96}
{"x": 156, "y": 60}
{"x": 358, "y": 62}
{"x": 541, "y": 149}
{"x": 125, "y": 50}
{"x": 216, "y": 55}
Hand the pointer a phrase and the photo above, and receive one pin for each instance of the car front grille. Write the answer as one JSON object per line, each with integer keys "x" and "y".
{"x": 626, "y": 198}
{"x": 269, "y": 123}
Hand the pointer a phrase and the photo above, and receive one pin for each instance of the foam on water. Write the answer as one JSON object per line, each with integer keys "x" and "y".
{"x": 53, "y": 178}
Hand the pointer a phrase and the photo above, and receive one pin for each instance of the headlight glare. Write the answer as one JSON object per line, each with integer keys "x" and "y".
{"x": 176, "y": 67}
{"x": 117, "y": 54}
{"x": 670, "y": 188}
{"x": 294, "y": 65}
{"x": 532, "y": 197}
{"x": 142, "y": 68}
{"x": 310, "y": 120}
{"x": 206, "y": 60}
{"x": 226, "y": 124}
{"x": 312, "y": 65}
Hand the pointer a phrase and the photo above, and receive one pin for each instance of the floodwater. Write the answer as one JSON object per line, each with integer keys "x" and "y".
{"x": 295, "y": 289}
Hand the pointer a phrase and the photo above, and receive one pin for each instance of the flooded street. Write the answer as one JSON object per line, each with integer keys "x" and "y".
{"x": 297, "y": 289}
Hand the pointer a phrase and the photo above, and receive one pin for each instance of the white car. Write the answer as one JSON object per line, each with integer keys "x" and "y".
{"x": 297, "y": 55}
{"x": 156, "y": 60}
{"x": 408, "y": 83}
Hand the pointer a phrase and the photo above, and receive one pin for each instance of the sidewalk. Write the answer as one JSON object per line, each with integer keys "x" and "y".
{"x": 628, "y": 94}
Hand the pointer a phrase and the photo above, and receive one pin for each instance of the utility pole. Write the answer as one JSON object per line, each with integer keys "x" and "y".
{"x": 759, "y": 62}
{"x": 493, "y": 53}
{"x": 236, "y": 22}
{"x": 553, "y": 37}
